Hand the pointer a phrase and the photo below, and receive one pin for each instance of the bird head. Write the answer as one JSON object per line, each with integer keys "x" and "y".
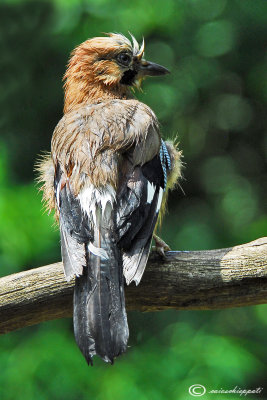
{"x": 105, "y": 67}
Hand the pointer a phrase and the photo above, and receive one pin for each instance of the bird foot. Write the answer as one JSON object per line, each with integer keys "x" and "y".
{"x": 161, "y": 247}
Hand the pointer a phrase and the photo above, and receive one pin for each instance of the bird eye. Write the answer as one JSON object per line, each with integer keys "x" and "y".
{"x": 124, "y": 59}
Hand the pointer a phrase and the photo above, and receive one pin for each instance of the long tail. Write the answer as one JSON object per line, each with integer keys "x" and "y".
{"x": 99, "y": 315}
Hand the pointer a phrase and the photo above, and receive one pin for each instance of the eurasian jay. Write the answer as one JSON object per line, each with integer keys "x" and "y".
{"x": 107, "y": 179}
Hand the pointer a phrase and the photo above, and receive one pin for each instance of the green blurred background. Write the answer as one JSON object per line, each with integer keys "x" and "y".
{"x": 215, "y": 100}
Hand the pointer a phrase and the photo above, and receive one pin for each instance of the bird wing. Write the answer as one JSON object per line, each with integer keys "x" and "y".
{"x": 137, "y": 213}
{"x": 75, "y": 227}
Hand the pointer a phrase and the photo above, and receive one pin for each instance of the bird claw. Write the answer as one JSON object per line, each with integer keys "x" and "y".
{"x": 161, "y": 247}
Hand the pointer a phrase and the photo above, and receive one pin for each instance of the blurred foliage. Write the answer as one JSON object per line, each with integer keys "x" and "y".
{"x": 215, "y": 101}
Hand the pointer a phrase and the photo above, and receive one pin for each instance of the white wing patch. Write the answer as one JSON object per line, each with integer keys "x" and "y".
{"x": 159, "y": 199}
{"x": 57, "y": 195}
{"x": 150, "y": 191}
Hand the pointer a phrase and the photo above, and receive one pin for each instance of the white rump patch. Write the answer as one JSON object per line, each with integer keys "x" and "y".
{"x": 97, "y": 203}
{"x": 97, "y": 251}
{"x": 159, "y": 199}
{"x": 92, "y": 198}
{"x": 150, "y": 192}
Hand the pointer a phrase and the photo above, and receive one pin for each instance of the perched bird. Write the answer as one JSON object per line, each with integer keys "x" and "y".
{"x": 106, "y": 178}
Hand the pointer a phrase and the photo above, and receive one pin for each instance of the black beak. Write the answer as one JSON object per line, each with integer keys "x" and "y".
{"x": 147, "y": 68}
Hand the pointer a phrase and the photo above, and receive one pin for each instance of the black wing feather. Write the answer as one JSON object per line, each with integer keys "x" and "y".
{"x": 73, "y": 220}
{"x": 137, "y": 217}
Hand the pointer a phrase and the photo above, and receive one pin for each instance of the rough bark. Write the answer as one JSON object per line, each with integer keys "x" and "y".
{"x": 184, "y": 280}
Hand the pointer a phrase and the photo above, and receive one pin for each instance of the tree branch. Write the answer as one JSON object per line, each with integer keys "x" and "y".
{"x": 185, "y": 280}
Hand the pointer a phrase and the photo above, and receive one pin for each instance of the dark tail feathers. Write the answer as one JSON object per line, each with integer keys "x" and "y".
{"x": 99, "y": 315}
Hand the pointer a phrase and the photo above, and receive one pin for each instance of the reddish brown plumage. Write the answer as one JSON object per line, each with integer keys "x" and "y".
{"x": 90, "y": 78}
{"x": 82, "y": 139}
{"x": 105, "y": 178}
